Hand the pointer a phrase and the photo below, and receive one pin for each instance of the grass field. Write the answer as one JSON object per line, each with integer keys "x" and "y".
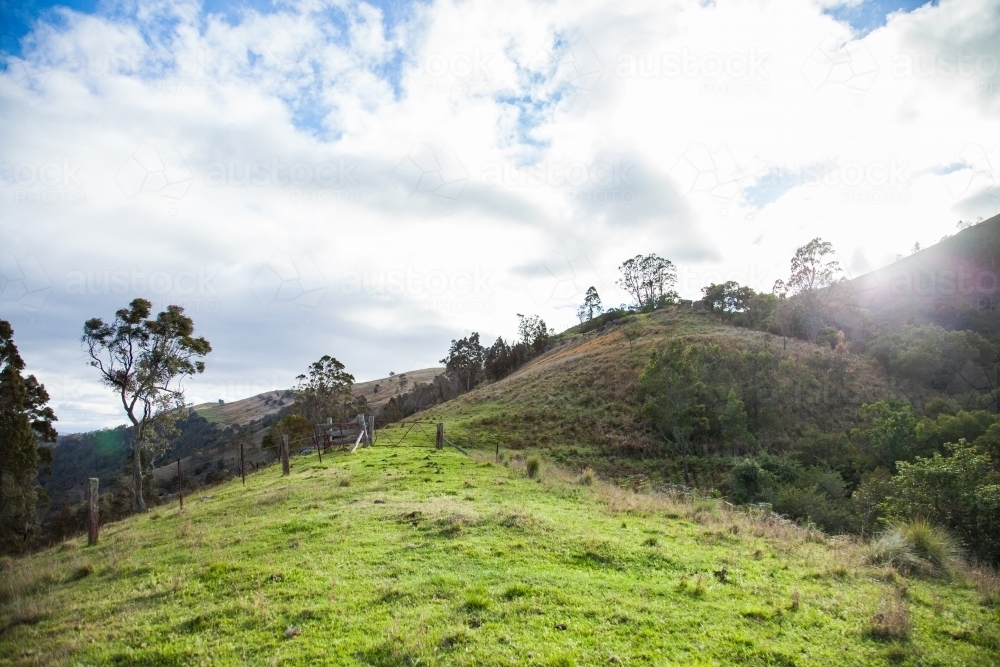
{"x": 411, "y": 556}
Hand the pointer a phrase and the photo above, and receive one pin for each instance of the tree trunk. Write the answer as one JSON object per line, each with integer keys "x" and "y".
{"x": 140, "y": 503}
{"x": 687, "y": 477}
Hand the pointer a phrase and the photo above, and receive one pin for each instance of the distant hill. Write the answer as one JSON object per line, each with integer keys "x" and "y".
{"x": 246, "y": 410}
{"x": 955, "y": 283}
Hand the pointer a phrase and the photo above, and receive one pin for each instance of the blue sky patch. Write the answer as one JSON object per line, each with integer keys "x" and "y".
{"x": 869, "y": 15}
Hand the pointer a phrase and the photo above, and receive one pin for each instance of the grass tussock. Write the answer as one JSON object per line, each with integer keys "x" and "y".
{"x": 533, "y": 466}
{"x": 587, "y": 477}
{"x": 917, "y": 546}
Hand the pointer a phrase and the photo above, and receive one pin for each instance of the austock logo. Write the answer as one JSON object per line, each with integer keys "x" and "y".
{"x": 23, "y": 281}
{"x": 433, "y": 171}
{"x": 153, "y": 171}
{"x": 284, "y": 279}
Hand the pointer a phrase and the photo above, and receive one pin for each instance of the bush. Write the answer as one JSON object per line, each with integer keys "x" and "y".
{"x": 958, "y": 492}
{"x": 533, "y": 465}
{"x": 587, "y": 477}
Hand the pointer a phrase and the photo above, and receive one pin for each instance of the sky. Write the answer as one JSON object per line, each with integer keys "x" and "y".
{"x": 373, "y": 180}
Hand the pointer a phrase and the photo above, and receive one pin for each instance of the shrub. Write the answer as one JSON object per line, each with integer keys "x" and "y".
{"x": 587, "y": 477}
{"x": 533, "y": 465}
{"x": 959, "y": 492}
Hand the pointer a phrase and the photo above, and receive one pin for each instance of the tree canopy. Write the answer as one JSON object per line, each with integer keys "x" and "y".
{"x": 325, "y": 392}
{"x": 25, "y": 420}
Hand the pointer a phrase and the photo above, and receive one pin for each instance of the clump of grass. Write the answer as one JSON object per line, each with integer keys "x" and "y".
{"x": 794, "y": 605}
{"x": 533, "y": 466}
{"x": 453, "y": 639}
{"x": 891, "y": 620}
{"x": 917, "y": 545}
{"x": 476, "y": 600}
{"x": 587, "y": 477}
{"x": 515, "y": 591}
{"x": 81, "y": 572}
{"x": 931, "y": 543}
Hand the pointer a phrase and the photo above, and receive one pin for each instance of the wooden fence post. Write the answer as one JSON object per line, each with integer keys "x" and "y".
{"x": 284, "y": 456}
{"x": 319, "y": 449}
{"x": 371, "y": 429}
{"x": 92, "y": 519}
{"x": 180, "y": 483}
{"x": 440, "y": 436}
{"x": 243, "y": 468}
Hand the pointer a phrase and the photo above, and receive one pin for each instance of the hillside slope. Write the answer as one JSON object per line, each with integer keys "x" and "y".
{"x": 408, "y": 555}
{"x": 578, "y": 401}
{"x": 953, "y": 283}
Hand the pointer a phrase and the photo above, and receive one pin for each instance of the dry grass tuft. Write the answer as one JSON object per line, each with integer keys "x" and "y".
{"x": 892, "y": 619}
{"x": 987, "y": 583}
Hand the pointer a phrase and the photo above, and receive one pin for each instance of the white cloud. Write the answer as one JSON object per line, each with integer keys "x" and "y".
{"x": 261, "y": 171}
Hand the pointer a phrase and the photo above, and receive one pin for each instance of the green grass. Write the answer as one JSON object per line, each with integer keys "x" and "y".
{"x": 429, "y": 557}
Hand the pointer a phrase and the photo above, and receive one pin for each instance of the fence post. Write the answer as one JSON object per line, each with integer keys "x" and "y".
{"x": 371, "y": 429}
{"x": 319, "y": 450}
{"x": 284, "y": 456}
{"x": 440, "y": 436}
{"x": 243, "y": 469}
{"x": 92, "y": 519}
{"x": 180, "y": 483}
{"x": 363, "y": 423}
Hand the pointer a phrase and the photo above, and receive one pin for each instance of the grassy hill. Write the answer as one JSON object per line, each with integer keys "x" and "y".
{"x": 407, "y": 555}
{"x": 577, "y": 402}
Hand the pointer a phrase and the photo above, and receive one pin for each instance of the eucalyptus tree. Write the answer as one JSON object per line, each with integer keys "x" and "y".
{"x": 813, "y": 268}
{"x": 326, "y": 391}
{"x": 145, "y": 361}
{"x": 650, "y": 279}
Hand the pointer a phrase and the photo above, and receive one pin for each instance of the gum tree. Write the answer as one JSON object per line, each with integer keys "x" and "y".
{"x": 650, "y": 279}
{"x": 813, "y": 268}
{"x": 145, "y": 361}
{"x": 326, "y": 391}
